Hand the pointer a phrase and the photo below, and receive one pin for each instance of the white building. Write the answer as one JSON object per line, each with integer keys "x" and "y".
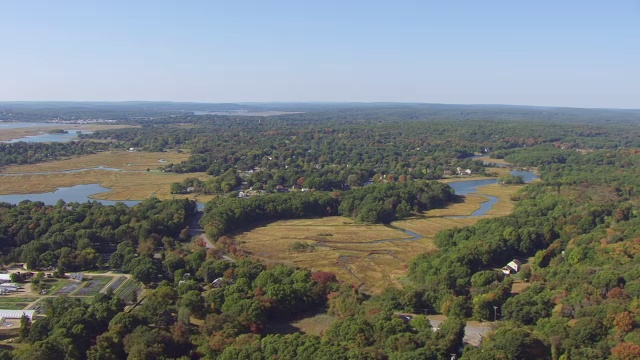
{"x": 514, "y": 265}
{"x": 17, "y": 314}
{"x": 4, "y": 288}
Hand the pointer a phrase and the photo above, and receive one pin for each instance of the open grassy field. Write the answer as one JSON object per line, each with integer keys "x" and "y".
{"x": 312, "y": 324}
{"x": 372, "y": 256}
{"x": 10, "y": 134}
{"x": 13, "y": 305}
{"x": 133, "y": 183}
{"x": 53, "y": 285}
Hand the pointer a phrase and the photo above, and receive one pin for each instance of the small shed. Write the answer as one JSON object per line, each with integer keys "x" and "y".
{"x": 4, "y": 288}
{"x": 12, "y": 284}
{"x": 218, "y": 282}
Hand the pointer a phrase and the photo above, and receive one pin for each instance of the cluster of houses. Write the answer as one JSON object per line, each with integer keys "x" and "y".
{"x": 512, "y": 267}
{"x": 7, "y": 287}
{"x": 459, "y": 171}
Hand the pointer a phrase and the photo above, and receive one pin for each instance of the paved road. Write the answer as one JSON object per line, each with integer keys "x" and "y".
{"x": 196, "y": 230}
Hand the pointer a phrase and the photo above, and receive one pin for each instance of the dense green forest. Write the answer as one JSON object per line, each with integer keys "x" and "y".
{"x": 74, "y": 237}
{"x": 579, "y": 228}
{"x": 332, "y": 150}
{"x": 576, "y": 231}
{"x": 29, "y": 153}
{"x": 145, "y": 110}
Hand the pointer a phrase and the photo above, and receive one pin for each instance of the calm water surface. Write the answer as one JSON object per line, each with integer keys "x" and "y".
{"x": 70, "y": 136}
{"x": 18, "y": 125}
{"x": 48, "y": 138}
{"x": 471, "y": 186}
{"x": 78, "y": 193}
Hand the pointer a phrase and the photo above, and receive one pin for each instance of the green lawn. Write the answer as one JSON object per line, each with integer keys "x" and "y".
{"x": 53, "y": 285}
{"x": 17, "y": 299}
{"x": 13, "y": 305}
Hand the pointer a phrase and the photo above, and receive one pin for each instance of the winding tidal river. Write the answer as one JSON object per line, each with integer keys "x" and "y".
{"x": 83, "y": 193}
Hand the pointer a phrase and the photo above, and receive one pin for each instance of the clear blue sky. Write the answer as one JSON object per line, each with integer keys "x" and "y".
{"x": 537, "y": 52}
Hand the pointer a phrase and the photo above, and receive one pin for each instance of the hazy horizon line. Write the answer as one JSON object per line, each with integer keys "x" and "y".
{"x": 314, "y": 102}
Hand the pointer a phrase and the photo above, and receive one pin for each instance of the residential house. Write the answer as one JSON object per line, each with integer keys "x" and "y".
{"x": 515, "y": 265}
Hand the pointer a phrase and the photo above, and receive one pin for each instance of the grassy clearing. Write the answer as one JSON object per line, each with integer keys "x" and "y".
{"x": 519, "y": 286}
{"x": 315, "y": 325}
{"x": 53, "y": 285}
{"x": 15, "y": 302}
{"x": 10, "y": 134}
{"x": 17, "y": 299}
{"x": 13, "y": 305}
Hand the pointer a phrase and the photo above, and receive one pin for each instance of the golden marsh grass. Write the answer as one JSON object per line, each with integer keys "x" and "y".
{"x": 352, "y": 253}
